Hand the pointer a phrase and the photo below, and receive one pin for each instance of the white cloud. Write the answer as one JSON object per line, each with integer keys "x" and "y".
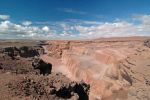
{"x": 145, "y": 19}
{"x": 4, "y": 17}
{"x": 145, "y": 23}
{"x": 26, "y": 23}
{"x": 46, "y": 29}
{"x": 76, "y": 30}
{"x": 108, "y": 29}
{"x": 65, "y": 26}
{"x": 13, "y": 30}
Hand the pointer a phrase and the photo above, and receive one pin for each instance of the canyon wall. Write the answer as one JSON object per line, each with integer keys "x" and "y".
{"x": 102, "y": 64}
{"x": 99, "y": 68}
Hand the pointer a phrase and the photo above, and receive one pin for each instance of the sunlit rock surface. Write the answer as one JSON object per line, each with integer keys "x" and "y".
{"x": 110, "y": 66}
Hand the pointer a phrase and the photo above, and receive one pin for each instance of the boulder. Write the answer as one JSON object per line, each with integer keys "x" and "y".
{"x": 45, "y": 68}
{"x": 147, "y": 43}
{"x": 11, "y": 51}
{"x": 78, "y": 90}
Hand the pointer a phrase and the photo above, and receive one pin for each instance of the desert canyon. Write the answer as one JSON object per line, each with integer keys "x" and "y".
{"x": 99, "y": 69}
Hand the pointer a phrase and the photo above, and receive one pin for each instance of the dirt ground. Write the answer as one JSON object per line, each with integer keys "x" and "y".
{"x": 20, "y": 81}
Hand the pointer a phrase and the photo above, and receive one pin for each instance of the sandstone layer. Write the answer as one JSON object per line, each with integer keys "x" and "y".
{"x": 107, "y": 65}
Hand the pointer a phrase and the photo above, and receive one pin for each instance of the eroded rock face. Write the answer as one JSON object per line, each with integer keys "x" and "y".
{"x": 100, "y": 67}
{"x": 56, "y": 48}
{"x": 104, "y": 77}
{"x": 45, "y": 68}
{"x": 96, "y": 64}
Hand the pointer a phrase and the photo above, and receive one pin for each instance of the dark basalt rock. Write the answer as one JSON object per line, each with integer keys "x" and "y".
{"x": 45, "y": 68}
{"x": 28, "y": 52}
{"x": 1, "y": 66}
{"x": 147, "y": 43}
{"x": 11, "y": 51}
{"x": 24, "y": 51}
{"x": 80, "y": 90}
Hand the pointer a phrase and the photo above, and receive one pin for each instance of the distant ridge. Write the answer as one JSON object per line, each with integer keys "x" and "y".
{"x": 136, "y": 38}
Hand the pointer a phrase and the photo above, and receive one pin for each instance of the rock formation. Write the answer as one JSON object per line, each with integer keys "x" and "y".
{"x": 101, "y": 64}
{"x": 147, "y": 43}
{"x": 100, "y": 70}
{"x": 54, "y": 87}
{"x": 45, "y": 68}
{"x": 56, "y": 48}
{"x": 24, "y": 51}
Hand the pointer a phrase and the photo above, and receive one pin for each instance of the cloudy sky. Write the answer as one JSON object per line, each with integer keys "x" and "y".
{"x": 73, "y": 19}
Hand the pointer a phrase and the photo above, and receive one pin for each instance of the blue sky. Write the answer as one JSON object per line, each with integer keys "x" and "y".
{"x": 71, "y": 19}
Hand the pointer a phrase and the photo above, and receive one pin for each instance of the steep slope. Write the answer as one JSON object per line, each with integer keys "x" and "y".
{"x": 100, "y": 69}
{"x": 108, "y": 66}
